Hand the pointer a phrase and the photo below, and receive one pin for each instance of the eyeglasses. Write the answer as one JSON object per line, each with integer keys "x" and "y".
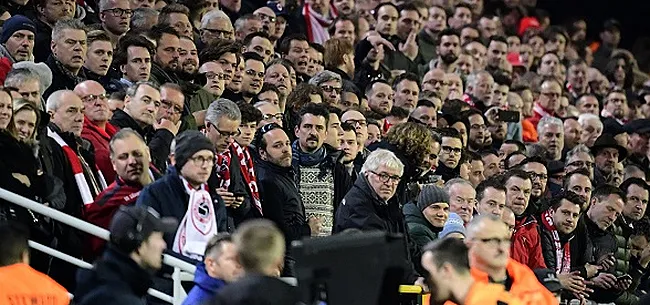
{"x": 386, "y": 178}
{"x": 212, "y": 75}
{"x": 449, "y": 149}
{"x": 225, "y": 133}
{"x": 495, "y": 241}
{"x": 94, "y": 97}
{"x": 252, "y": 72}
{"x": 168, "y": 104}
{"x": 269, "y": 116}
{"x": 533, "y": 176}
{"x": 267, "y": 17}
{"x": 361, "y": 123}
{"x": 118, "y": 12}
{"x": 586, "y": 164}
{"x": 329, "y": 89}
{"x": 218, "y": 32}
{"x": 200, "y": 160}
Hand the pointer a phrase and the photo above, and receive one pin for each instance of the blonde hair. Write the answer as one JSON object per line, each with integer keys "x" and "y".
{"x": 260, "y": 245}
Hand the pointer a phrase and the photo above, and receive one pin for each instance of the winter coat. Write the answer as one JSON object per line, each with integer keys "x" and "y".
{"x": 419, "y": 228}
{"x": 526, "y": 247}
{"x": 257, "y": 289}
{"x": 61, "y": 80}
{"x": 205, "y": 288}
{"x": 116, "y": 279}
{"x": 100, "y": 139}
{"x": 579, "y": 247}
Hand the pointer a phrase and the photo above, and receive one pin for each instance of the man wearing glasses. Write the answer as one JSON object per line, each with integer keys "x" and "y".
{"x": 115, "y": 16}
{"x": 253, "y": 76}
{"x": 537, "y": 170}
{"x": 451, "y": 149}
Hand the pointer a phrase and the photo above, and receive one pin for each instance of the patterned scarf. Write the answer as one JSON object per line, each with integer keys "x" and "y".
{"x": 222, "y": 166}
{"x": 199, "y": 224}
{"x": 317, "y": 24}
{"x": 562, "y": 253}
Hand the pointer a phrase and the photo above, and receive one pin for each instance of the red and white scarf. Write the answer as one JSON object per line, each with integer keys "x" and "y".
{"x": 468, "y": 99}
{"x": 562, "y": 253}
{"x": 541, "y": 111}
{"x": 198, "y": 225}
{"x": 222, "y": 166}
{"x": 317, "y": 24}
{"x": 85, "y": 191}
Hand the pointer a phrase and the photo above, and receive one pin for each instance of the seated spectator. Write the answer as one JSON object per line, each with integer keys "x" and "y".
{"x": 133, "y": 57}
{"x": 68, "y": 55}
{"x": 134, "y": 253}
{"x": 454, "y": 227}
{"x": 270, "y": 113}
{"x": 425, "y": 217}
{"x": 17, "y": 39}
{"x": 219, "y": 268}
{"x": 491, "y": 197}
{"x": 462, "y": 198}
{"x": 21, "y": 283}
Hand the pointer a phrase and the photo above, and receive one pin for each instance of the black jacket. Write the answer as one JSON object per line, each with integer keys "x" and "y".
{"x": 410, "y": 171}
{"x": 116, "y": 279}
{"x": 61, "y": 80}
{"x": 160, "y": 76}
{"x": 259, "y": 290}
{"x": 579, "y": 246}
{"x": 42, "y": 41}
{"x": 159, "y": 141}
{"x": 281, "y": 203}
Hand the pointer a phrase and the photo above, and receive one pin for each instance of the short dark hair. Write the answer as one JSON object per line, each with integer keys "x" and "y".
{"x": 372, "y": 83}
{"x": 468, "y": 113}
{"x": 425, "y": 103}
{"x": 533, "y": 159}
{"x": 285, "y": 44}
{"x": 452, "y": 251}
{"x": 315, "y": 110}
{"x": 605, "y": 190}
{"x": 488, "y": 151}
{"x": 380, "y": 5}
{"x": 406, "y": 76}
{"x": 449, "y": 32}
{"x": 157, "y": 31}
{"x": 634, "y": 181}
{"x": 270, "y": 87}
{"x": 498, "y": 38}
{"x": 217, "y": 48}
{"x": 213, "y": 247}
{"x": 450, "y": 133}
{"x": 515, "y": 173}
{"x": 569, "y": 196}
{"x": 249, "y": 37}
{"x": 258, "y": 140}
{"x": 172, "y": 8}
{"x": 492, "y": 182}
{"x": 642, "y": 228}
{"x": 249, "y": 114}
{"x": 399, "y": 112}
{"x": 130, "y": 40}
{"x": 348, "y": 127}
{"x": 507, "y": 164}
{"x": 13, "y": 242}
{"x": 453, "y": 107}
{"x": 252, "y": 56}
{"x": 520, "y": 145}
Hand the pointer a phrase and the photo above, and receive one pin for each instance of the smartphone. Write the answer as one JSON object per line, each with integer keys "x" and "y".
{"x": 507, "y": 116}
{"x": 239, "y": 194}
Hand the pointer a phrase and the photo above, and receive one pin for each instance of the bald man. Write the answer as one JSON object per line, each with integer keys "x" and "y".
{"x": 96, "y": 128}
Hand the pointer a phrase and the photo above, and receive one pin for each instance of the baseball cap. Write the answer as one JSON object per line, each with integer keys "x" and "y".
{"x": 277, "y": 8}
{"x": 131, "y": 225}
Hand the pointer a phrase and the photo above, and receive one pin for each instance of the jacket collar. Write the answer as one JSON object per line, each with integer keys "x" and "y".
{"x": 205, "y": 281}
{"x": 126, "y": 269}
{"x": 344, "y": 75}
{"x": 363, "y": 185}
{"x": 73, "y": 141}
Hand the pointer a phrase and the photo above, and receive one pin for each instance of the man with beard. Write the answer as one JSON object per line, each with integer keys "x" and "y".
{"x": 115, "y": 16}
{"x": 451, "y": 148}
{"x": 548, "y": 101}
{"x": 166, "y": 58}
{"x": 577, "y": 78}
{"x": 551, "y": 137}
{"x": 526, "y": 247}
{"x": 565, "y": 249}
{"x": 17, "y": 39}
{"x": 496, "y": 53}
{"x": 282, "y": 202}
{"x": 535, "y": 167}
{"x": 380, "y": 97}
{"x": 68, "y": 55}
{"x": 615, "y": 105}
{"x": 578, "y": 182}
{"x": 253, "y": 77}
{"x": 407, "y": 90}
{"x": 478, "y": 89}
{"x": 295, "y": 48}
{"x": 133, "y": 58}
{"x": 475, "y": 123}
{"x": 188, "y": 59}
{"x": 129, "y": 156}
{"x": 607, "y": 154}
{"x": 448, "y": 50}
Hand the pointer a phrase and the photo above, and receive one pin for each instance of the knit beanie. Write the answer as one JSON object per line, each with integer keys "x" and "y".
{"x": 14, "y": 24}
{"x": 431, "y": 194}
{"x": 187, "y": 144}
{"x": 454, "y": 224}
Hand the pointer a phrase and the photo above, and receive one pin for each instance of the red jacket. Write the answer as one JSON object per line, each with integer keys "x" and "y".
{"x": 99, "y": 139}
{"x": 106, "y": 204}
{"x": 526, "y": 243}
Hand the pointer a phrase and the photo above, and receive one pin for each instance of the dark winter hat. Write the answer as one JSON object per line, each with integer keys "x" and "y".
{"x": 131, "y": 225}
{"x": 431, "y": 194}
{"x": 187, "y": 144}
{"x": 14, "y": 24}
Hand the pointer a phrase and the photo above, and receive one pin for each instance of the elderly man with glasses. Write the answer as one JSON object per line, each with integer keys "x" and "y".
{"x": 115, "y": 16}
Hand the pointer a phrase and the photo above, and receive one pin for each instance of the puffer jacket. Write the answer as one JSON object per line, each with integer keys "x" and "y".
{"x": 526, "y": 246}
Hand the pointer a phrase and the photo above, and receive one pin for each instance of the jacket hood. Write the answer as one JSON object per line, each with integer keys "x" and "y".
{"x": 205, "y": 281}
{"x": 412, "y": 214}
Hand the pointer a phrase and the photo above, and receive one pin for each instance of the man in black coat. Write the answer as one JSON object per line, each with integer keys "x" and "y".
{"x": 68, "y": 56}
{"x": 124, "y": 273}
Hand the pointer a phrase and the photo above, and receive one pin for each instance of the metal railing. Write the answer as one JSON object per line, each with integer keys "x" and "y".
{"x": 183, "y": 271}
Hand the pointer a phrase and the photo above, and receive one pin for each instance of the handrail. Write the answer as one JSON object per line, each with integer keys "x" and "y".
{"x": 82, "y": 225}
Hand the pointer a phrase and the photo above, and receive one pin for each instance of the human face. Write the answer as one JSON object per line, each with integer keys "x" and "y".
{"x": 606, "y": 159}
{"x": 130, "y": 158}
{"x": 513, "y": 44}
{"x": 30, "y": 90}
{"x": 99, "y": 57}
{"x": 55, "y": 10}
{"x": 615, "y": 104}
{"x": 460, "y": 127}
{"x": 151, "y": 251}
{"x": 69, "y": 117}
{"x": 71, "y": 49}
{"x": 435, "y": 81}
{"x": 491, "y": 162}
{"x": 95, "y": 102}
{"x": 278, "y": 148}
{"x": 549, "y": 65}
{"x": 462, "y": 200}
{"x": 549, "y": 97}
{"x": 20, "y": 45}
{"x": 437, "y": 214}
{"x": 488, "y": 27}
{"x": 181, "y": 23}
{"x": 5, "y": 110}
{"x": 143, "y": 107}
{"x": 496, "y": 53}
{"x": 572, "y": 131}
{"x": 299, "y": 55}
{"x": 381, "y": 98}
{"x": 215, "y": 77}
{"x": 349, "y": 100}
{"x": 476, "y": 172}
{"x": 332, "y": 90}
{"x": 334, "y": 131}
{"x": 638, "y": 243}
{"x": 556, "y": 44}
{"x": 638, "y": 143}
{"x": 477, "y": 131}
{"x": 468, "y": 34}
{"x": 311, "y": 133}
{"x": 406, "y": 95}
{"x": 138, "y": 64}
{"x": 349, "y": 146}
{"x": 537, "y": 44}
{"x": 235, "y": 83}
{"x": 270, "y": 114}
{"x": 637, "y": 202}
{"x": 499, "y": 96}
{"x": 116, "y": 18}
{"x": 167, "y": 52}
{"x": 526, "y": 53}
{"x": 449, "y": 48}
{"x": 268, "y": 20}
{"x": 493, "y": 202}
{"x": 430, "y": 161}
{"x": 482, "y": 90}
{"x": 226, "y": 266}
{"x": 604, "y": 212}
{"x": 581, "y": 185}
{"x": 253, "y": 77}
{"x": 450, "y": 151}
{"x": 25, "y": 121}
{"x": 262, "y": 46}
{"x": 280, "y": 77}
{"x": 374, "y": 135}
{"x": 198, "y": 168}
{"x": 577, "y": 77}
{"x": 315, "y": 62}
{"x": 426, "y": 115}
{"x": 384, "y": 181}
{"x": 489, "y": 247}
{"x": 565, "y": 217}
{"x": 539, "y": 177}
{"x": 269, "y": 96}
{"x": 359, "y": 122}
{"x": 517, "y": 194}
{"x": 552, "y": 137}
{"x": 172, "y": 103}
{"x": 506, "y": 149}
{"x": 615, "y": 178}
{"x": 345, "y": 29}
{"x": 409, "y": 21}
{"x": 387, "y": 20}
{"x": 247, "y": 133}
{"x": 217, "y": 28}
{"x": 580, "y": 160}
{"x": 455, "y": 85}
{"x": 188, "y": 56}
{"x": 223, "y": 132}
{"x": 462, "y": 16}
{"x": 591, "y": 130}
{"x": 344, "y": 7}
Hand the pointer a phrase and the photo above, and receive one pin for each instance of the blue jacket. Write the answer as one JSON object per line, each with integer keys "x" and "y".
{"x": 206, "y": 287}
{"x": 168, "y": 197}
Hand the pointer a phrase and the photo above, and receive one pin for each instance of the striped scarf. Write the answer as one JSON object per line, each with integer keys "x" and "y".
{"x": 222, "y": 166}
{"x": 87, "y": 191}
